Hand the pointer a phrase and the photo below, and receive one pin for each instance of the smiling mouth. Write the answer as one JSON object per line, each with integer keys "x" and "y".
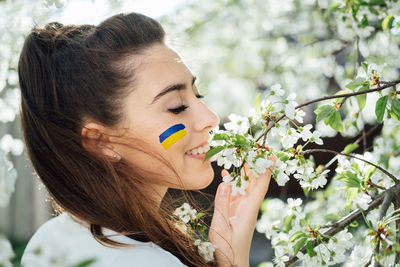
{"x": 199, "y": 150}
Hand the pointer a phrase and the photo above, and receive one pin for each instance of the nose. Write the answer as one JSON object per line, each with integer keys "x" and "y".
{"x": 206, "y": 119}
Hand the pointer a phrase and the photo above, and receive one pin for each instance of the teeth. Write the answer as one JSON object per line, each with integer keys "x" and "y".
{"x": 199, "y": 150}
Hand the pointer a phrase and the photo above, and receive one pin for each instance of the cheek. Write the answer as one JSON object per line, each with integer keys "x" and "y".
{"x": 172, "y": 135}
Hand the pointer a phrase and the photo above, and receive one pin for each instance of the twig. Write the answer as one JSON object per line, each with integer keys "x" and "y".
{"x": 385, "y": 204}
{"x": 355, "y": 142}
{"x": 342, "y": 223}
{"x": 377, "y": 89}
{"x": 396, "y": 203}
{"x": 380, "y": 88}
{"x": 308, "y": 151}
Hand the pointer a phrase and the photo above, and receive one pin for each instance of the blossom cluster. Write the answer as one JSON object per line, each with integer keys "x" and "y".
{"x": 189, "y": 219}
{"x": 291, "y": 226}
{"x": 275, "y": 116}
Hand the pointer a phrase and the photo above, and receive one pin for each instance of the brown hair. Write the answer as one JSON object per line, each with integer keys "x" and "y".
{"x": 67, "y": 74}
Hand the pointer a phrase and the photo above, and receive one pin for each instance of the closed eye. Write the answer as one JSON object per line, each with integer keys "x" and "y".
{"x": 178, "y": 109}
{"x": 199, "y": 96}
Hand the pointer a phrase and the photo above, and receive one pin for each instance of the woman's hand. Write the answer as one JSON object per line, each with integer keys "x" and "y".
{"x": 234, "y": 219}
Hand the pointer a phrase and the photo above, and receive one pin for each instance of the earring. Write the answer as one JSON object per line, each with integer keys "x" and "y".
{"x": 116, "y": 157}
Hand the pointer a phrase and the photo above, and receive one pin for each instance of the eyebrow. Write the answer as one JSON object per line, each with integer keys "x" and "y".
{"x": 173, "y": 87}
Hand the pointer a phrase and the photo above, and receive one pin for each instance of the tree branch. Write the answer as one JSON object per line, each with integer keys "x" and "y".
{"x": 342, "y": 223}
{"x": 354, "y": 157}
{"x": 377, "y": 89}
{"x": 361, "y": 138}
{"x": 387, "y": 85}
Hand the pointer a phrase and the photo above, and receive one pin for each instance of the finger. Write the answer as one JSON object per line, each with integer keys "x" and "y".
{"x": 261, "y": 184}
{"x": 224, "y": 173}
{"x": 220, "y": 220}
{"x": 220, "y": 232}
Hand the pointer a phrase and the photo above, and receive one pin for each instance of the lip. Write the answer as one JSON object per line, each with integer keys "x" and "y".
{"x": 197, "y": 156}
{"x": 202, "y": 144}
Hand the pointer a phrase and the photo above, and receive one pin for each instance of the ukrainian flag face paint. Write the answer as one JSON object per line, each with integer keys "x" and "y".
{"x": 172, "y": 135}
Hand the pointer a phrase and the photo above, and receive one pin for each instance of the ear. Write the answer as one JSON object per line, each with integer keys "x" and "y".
{"x": 95, "y": 140}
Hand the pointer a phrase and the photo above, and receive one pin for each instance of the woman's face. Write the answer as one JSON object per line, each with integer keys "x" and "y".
{"x": 164, "y": 114}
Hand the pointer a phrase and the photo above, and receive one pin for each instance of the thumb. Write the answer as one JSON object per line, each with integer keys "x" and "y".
{"x": 220, "y": 221}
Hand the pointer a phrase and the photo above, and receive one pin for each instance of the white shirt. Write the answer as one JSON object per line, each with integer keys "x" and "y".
{"x": 63, "y": 242}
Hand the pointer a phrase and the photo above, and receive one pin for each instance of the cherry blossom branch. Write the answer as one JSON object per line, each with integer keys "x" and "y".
{"x": 347, "y": 220}
{"x": 377, "y": 89}
{"x": 361, "y": 138}
{"x": 354, "y": 157}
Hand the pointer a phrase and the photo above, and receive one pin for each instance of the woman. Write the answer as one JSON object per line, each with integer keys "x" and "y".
{"x": 112, "y": 119}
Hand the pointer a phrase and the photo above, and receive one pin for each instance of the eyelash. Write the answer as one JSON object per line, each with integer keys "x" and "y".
{"x": 182, "y": 107}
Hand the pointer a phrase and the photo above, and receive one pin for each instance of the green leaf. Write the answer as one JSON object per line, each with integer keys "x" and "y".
{"x": 221, "y": 136}
{"x": 199, "y": 215}
{"x": 373, "y": 10}
{"x": 213, "y": 151}
{"x": 380, "y": 107}
{"x": 299, "y": 244}
{"x": 376, "y": 2}
{"x": 356, "y": 83}
{"x": 283, "y": 156}
{"x": 340, "y": 92}
{"x": 395, "y": 108}
{"x": 387, "y": 22}
{"x": 85, "y": 263}
{"x": 365, "y": 66}
{"x": 350, "y": 179}
{"x": 324, "y": 111}
{"x": 257, "y": 102}
{"x": 364, "y": 21}
{"x": 350, "y": 148}
{"x": 240, "y": 140}
{"x": 335, "y": 121}
{"x": 330, "y": 9}
{"x": 297, "y": 235}
{"x": 280, "y": 243}
{"x": 362, "y": 99}
{"x": 369, "y": 172}
{"x": 288, "y": 222}
{"x": 351, "y": 194}
{"x": 310, "y": 249}
{"x": 264, "y": 204}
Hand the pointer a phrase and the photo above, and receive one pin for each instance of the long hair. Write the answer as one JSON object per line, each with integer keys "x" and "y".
{"x": 70, "y": 73}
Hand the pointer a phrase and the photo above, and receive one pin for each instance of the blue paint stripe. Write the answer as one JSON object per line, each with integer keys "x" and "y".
{"x": 171, "y": 130}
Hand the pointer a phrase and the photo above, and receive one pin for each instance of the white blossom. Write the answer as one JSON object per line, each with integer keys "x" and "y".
{"x": 237, "y": 124}
{"x": 6, "y": 252}
{"x": 316, "y": 138}
{"x": 305, "y": 132}
{"x": 290, "y": 139}
{"x": 282, "y": 178}
{"x": 9, "y": 144}
{"x": 239, "y": 185}
{"x": 186, "y": 213}
{"x": 206, "y": 249}
{"x": 362, "y": 200}
{"x": 8, "y": 176}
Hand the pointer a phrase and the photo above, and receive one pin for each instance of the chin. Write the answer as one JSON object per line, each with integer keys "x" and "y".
{"x": 206, "y": 179}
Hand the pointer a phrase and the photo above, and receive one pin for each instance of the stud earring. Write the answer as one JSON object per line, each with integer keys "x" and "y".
{"x": 116, "y": 157}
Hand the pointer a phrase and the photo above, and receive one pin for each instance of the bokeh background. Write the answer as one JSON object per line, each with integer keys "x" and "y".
{"x": 237, "y": 48}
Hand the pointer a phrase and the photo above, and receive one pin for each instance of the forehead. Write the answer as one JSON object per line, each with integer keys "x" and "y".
{"x": 160, "y": 65}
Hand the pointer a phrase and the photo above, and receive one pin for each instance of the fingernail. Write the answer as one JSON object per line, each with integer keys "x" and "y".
{"x": 223, "y": 191}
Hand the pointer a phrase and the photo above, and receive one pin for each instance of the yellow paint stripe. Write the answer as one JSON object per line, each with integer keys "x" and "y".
{"x": 172, "y": 139}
